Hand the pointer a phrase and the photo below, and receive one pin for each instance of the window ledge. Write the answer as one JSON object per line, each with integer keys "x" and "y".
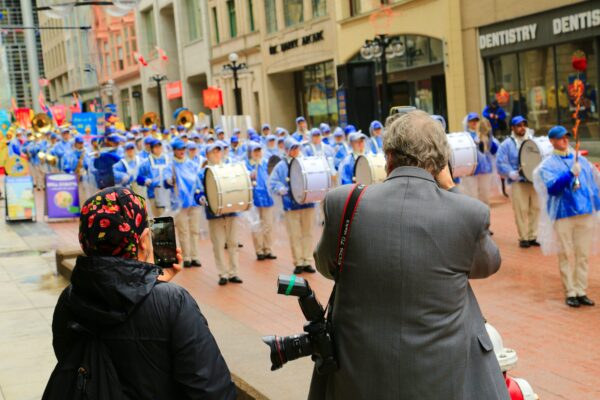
{"x": 307, "y": 25}
{"x": 193, "y": 42}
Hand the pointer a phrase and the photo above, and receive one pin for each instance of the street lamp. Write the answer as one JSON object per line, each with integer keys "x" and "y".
{"x": 234, "y": 67}
{"x": 158, "y": 79}
{"x": 383, "y": 48}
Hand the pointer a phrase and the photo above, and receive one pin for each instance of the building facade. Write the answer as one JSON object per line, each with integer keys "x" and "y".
{"x": 173, "y": 38}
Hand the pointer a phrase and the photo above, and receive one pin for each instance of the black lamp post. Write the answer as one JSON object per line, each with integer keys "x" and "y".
{"x": 158, "y": 79}
{"x": 383, "y": 48}
{"x": 234, "y": 67}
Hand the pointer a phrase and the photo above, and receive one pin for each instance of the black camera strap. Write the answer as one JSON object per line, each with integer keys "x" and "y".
{"x": 345, "y": 225}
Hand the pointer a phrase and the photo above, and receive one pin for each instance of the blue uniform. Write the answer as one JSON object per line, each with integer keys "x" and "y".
{"x": 499, "y": 112}
{"x": 260, "y": 191}
{"x": 61, "y": 148}
{"x": 126, "y": 171}
{"x": 376, "y": 144}
{"x": 341, "y": 151}
{"x": 69, "y": 161}
{"x": 563, "y": 200}
{"x": 346, "y": 169}
{"x": 14, "y": 147}
{"x": 312, "y": 150}
{"x": 507, "y": 159}
{"x": 103, "y": 167}
{"x": 484, "y": 159}
{"x": 281, "y": 186}
{"x": 152, "y": 173}
{"x": 189, "y": 185}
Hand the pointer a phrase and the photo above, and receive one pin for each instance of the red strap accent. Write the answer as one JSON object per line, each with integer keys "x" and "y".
{"x": 350, "y": 225}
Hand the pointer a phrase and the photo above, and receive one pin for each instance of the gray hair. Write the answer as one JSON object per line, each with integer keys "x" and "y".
{"x": 415, "y": 139}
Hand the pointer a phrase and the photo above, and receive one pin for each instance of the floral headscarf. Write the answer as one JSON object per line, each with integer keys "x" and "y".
{"x": 111, "y": 223}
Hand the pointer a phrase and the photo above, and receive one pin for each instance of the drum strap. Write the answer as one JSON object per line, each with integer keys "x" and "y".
{"x": 352, "y": 202}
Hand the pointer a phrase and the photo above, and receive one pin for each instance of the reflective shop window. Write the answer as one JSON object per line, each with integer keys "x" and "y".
{"x": 271, "y": 15}
{"x": 503, "y": 83}
{"x": 293, "y": 11}
{"x": 537, "y": 100}
{"x": 568, "y": 81}
{"x": 320, "y": 93}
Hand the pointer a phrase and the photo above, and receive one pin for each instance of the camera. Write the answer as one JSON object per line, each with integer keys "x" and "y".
{"x": 316, "y": 340}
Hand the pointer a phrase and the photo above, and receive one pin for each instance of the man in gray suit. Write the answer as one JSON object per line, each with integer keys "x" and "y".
{"x": 406, "y": 322}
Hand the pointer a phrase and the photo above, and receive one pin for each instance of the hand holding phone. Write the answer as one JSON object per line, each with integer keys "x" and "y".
{"x": 164, "y": 242}
{"x": 169, "y": 273}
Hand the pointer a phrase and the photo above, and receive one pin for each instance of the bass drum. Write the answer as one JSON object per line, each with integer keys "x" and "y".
{"x": 463, "y": 154}
{"x": 228, "y": 188}
{"x": 531, "y": 154}
{"x": 310, "y": 179}
{"x": 370, "y": 169}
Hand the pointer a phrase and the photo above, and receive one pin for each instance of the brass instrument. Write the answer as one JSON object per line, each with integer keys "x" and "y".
{"x": 186, "y": 119}
{"x": 41, "y": 123}
{"x": 42, "y": 157}
{"x": 79, "y": 163}
{"x": 150, "y": 118}
{"x": 51, "y": 160}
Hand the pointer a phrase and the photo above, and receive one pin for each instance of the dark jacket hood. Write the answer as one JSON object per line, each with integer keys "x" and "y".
{"x": 105, "y": 290}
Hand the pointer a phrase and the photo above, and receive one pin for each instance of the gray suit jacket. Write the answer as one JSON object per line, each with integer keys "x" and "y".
{"x": 406, "y": 322}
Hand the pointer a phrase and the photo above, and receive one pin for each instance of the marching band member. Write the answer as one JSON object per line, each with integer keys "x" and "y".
{"x": 220, "y": 134}
{"x": 524, "y": 198}
{"x": 184, "y": 177}
{"x": 194, "y": 155}
{"x": 316, "y": 147}
{"x": 263, "y": 202}
{"x": 236, "y": 152}
{"x": 34, "y": 160}
{"x": 342, "y": 143}
{"x": 147, "y": 150}
{"x": 271, "y": 148}
{"x": 376, "y": 138}
{"x": 126, "y": 170}
{"x": 479, "y": 185}
{"x": 281, "y": 132}
{"x": 50, "y": 151}
{"x": 346, "y": 168}
{"x": 265, "y": 130}
{"x": 103, "y": 164}
{"x": 301, "y": 129}
{"x": 74, "y": 158}
{"x": 146, "y": 132}
{"x": 64, "y": 145}
{"x": 152, "y": 175}
{"x": 299, "y": 218}
{"x": 571, "y": 196}
{"x": 14, "y": 145}
{"x": 326, "y": 131}
{"x": 222, "y": 228}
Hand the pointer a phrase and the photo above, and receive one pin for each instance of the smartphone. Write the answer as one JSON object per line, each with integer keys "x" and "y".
{"x": 164, "y": 243}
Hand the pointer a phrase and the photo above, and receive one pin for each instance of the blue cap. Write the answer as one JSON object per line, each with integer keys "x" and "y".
{"x": 180, "y": 128}
{"x": 215, "y": 145}
{"x": 315, "y": 132}
{"x": 154, "y": 127}
{"x": 354, "y": 136}
{"x": 251, "y": 132}
{"x": 114, "y": 138}
{"x": 95, "y": 139}
{"x": 78, "y": 139}
{"x": 135, "y": 130}
{"x": 337, "y": 132}
{"x": 376, "y": 125}
{"x": 129, "y": 136}
{"x": 439, "y": 119}
{"x": 265, "y": 126}
{"x": 148, "y": 140}
{"x": 129, "y": 146}
{"x": 557, "y": 132}
{"x": 271, "y": 137}
{"x": 110, "y": 130}
{"x": 517, "y": 120}
{"x": 219, "y": 130}
{"x": 300, "y": 119}
{"x": 324, "y": 127}
{"x": 191, "y": 146}
{"x": 281, "y": 131}
{"x": 280, "y": 139}
{"x": 234, "y": 139}
{"x": 155, "y": 142}
{"x": 178, "y": 144}
{"x": 203, "y": 126}
{"x": 210, "y": 137}
{"x": 255, "y": 137}
{"x": 349, "y": 129}
{"x": 236, "y": 131}
{"x": 223, "y": 144}
{"x": 165, "y": 131}
{"x": 144, "y": 129}
{"x": 290, "y": 143}
{"x": 64, "y": 129}
{"x": 472, "y": 116}
{"x": 254, "y": 146}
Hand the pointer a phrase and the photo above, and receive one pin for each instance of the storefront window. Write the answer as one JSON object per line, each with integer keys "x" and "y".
{"x": 417, "y": 50}
{"x": 293, "y": 11}
{"x": 319, "y": 98}
{"x": 319, "y": 8}
{"x": 503, "y": 83}
{"x": 424, "y": 96}
{"x": 271, "y": 16}
{"x": 537, "y": 101}
{"x": 567, "y": 83}
{"x": 232, "y": 18}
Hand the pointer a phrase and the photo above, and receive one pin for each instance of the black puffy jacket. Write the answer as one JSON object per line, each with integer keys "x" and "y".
{"x": 157, "y": 337}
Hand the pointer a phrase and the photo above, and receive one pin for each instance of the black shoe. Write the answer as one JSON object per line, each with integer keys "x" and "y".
{"x": 535, "y": 243}
{"x": 524, "y": 244}
{"x": 270, "y": 257}
{"x": 222, "y": 281}
{"x": 187, "y": 264}
{"x": 491, "y": 233}
{"x": 585, "y": 301}
{"x": 196, "y": 263}
{"x": 240, "y": 245}
{"x": 572, "y": 302}
{"x": 260, "y": 257}
{"x": 309, "y": 269}
{"x": 235, "y": 279}
{"x": 298, "y": 270}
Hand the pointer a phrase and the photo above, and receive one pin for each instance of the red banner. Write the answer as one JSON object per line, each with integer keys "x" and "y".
{"x": 213, "y": 97}
{"x": 23, "y": 117}
{"x": 174, "y": 90}
{"x": 59, "y": 112}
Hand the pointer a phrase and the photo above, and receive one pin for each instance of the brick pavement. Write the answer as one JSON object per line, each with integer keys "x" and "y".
{"x": 558, "y": 347}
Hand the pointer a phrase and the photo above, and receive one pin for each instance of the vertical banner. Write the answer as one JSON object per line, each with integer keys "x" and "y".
{"x": 59, "y": 112}
{"x": 23, "y": 117}
{"x": 4, "y": 121}
{"x": 62, "y": 196}
{"x": 20, "y": 200}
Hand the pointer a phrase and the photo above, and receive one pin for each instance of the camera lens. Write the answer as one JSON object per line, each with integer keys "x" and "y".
{"x": 289, "y": 348}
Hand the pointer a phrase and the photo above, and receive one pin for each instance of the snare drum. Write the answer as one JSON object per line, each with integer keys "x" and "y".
{"x": 370, "y": 169}
{"x": 310, "y": 179}
{"x": 531, "y": 154}
{"x": 228, "y": 188}
{"x": 463, "y": 154}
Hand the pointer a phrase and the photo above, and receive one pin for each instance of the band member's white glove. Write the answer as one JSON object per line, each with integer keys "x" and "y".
{"x": 514, "y": 175}
{"x": 576, "y": 169}
{"x": 148, "y": 182}
{"x": 282, "y": 191}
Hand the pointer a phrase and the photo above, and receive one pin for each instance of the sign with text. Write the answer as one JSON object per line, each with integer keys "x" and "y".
{"x": 292, "y": 44}
{"x": 174, "y": 90}
{"x": 82, "y": 121}
{"x": 213, "y": 97}
{"x": 62, "y": 196}
{"x": 20, "y": 200}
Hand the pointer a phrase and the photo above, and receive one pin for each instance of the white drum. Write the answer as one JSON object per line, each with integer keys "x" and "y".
{"x": 370, "y": 169}
{"x": 531, "y": 154}
{"x": 228, "y": 188}
{"x": 310, "y": 179}
{"x": 463, "y": 154}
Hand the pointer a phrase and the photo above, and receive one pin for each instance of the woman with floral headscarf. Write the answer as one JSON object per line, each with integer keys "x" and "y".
{"x": 156, "y": 336}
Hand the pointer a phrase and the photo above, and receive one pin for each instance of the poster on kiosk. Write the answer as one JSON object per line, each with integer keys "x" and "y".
{"x": 62, "y": 197}
{"x": 20, "y": 200}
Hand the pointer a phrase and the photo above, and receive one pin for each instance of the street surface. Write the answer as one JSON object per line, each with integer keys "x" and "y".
{"x": 558, "y": 347}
